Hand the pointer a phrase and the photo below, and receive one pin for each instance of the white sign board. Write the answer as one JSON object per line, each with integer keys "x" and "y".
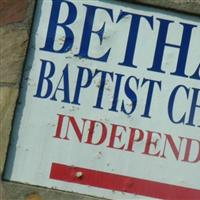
{"x": 110, "y": 102}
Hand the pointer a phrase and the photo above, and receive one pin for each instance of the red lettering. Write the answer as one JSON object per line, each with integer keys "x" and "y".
{"x": 92, "y": 130}
{"x": 172, "y": 144}
{"x": 59, "y": 126}
{"x": 132, "y": 138}
{"x": 150, "y": 142}
{"x": 114, "y": 136}
{"x": 97, "y": 133}
{"x": 188, "y": 151}
{"x": 77, "y": 130}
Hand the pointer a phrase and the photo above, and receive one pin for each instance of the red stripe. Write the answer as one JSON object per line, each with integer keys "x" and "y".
{"x": 122, "y": 183}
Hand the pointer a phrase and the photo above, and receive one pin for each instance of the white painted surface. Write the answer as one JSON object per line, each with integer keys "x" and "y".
{"x": 34, "y": 148}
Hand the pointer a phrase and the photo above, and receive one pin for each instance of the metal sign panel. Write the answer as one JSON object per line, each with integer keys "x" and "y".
{"x": 110, "y": 102}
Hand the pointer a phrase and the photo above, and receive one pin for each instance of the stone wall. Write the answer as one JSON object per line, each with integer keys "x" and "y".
{"x": 184, "y": 6}
{"x": 15, "y": 24}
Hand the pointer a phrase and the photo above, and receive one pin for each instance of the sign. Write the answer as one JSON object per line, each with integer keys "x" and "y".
{"x": 110, "y": 102}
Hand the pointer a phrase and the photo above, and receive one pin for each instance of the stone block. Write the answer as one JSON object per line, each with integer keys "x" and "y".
{"x": 8, "y": 97}
{"x": 12, "y": 11}
{"x": 13, "y": 43}
{"x": 188, "y": 6}
{"x": 16, "y": 191}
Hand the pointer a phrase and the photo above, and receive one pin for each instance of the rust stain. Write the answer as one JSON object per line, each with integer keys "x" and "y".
{"x": 33, "y": 196}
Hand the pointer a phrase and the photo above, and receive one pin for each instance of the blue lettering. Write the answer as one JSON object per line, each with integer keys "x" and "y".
{"x": 45, "y": 78}
{"x": 171, "y": 104}
{"x": 131, "y": 95}
{"x": 116, "y": 93}
{"x": 88, "y": 30}
{"x": 101, "y": 86}
{"x": 194, "y": 105}
{"x": 65, "y": 79}
{"x": 80, "y": 84}
{"x": 54, "y": 24}
{"x": 183, "y": 48}
{"x": 149, "y": 95}
{"x": 132, "y": 38}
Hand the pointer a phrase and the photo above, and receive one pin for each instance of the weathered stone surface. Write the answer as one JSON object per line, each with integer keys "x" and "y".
{"x": 13, "y": 43}
{"x": 12, "y": 11}
{"x": 15, "y": 191}
{"x": 8, "y": 96}
{"x": 2, "y": 192}
{"x": 188, "y": 6}
{"x": 33, "y": 196}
